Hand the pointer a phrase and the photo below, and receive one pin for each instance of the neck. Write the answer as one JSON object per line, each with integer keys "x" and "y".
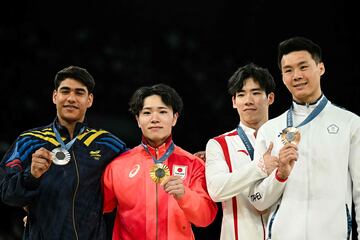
{"x": 69, "y": 126}
{"x": 308, "y": 101}
{"x": 154, "y": 144}
{"x": 255, "y": 125}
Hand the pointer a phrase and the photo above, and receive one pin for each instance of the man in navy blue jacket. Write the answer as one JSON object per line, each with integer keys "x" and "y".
{"x": 54, "y": 171}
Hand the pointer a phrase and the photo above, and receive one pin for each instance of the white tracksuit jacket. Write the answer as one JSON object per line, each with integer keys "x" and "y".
{"x": 315, "y": 202}
{"x": 223, "y": 185}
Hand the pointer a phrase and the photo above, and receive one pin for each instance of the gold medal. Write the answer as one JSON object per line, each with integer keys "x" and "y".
{"x": 290, "y": 135}
{"x": 159, "y": 172}
{"x": 61, "y": 156}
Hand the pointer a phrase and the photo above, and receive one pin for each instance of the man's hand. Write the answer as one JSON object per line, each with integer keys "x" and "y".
{"x": 174, "y": 186}
{"x": 26, "y": 209}
{"x": 270, "y": 162}
{"x": 288, "y": 154}
{"x": 40, "y": 162}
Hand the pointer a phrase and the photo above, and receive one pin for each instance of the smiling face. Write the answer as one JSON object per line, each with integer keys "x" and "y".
{"x": 72, "y": 99}
{"x": 156, "y": 120}
{"x": 301, "y": 75}
{"x": 252, "y": 104}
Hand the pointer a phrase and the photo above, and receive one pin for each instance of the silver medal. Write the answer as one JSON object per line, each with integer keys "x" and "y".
{"x": 61, "y": 156}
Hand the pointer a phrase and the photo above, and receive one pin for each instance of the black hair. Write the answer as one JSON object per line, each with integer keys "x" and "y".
{"x": 77, "y": 73}
{"x": 168, "y": 95}
{"x": 251, "y": 70}
{"x": 299, "y": 44}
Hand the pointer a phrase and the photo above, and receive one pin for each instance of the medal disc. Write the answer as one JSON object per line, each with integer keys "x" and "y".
{"x": 290, "y": 135}
{"x": 159, "y": 172}
{"x": 61, "y": 156}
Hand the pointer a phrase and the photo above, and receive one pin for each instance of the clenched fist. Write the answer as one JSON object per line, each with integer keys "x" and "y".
{"x": 40, "y": 162}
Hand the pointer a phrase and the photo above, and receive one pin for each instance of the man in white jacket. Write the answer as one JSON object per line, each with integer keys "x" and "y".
{"x": 229, "y": 167}
{"x": 318, "y": 146}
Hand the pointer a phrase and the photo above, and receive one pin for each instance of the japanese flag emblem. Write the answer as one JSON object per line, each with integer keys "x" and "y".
{"x": 180, "y": 171}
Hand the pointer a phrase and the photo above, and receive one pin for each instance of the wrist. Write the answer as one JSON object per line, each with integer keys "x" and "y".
{"x": 280, "y": 177}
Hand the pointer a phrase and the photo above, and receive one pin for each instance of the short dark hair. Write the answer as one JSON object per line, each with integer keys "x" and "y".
{"x": 77, "y": 73}
{"x": 299, "y": 44}
{"x": 168, "y": 95}
{"x": 251, "y": 70}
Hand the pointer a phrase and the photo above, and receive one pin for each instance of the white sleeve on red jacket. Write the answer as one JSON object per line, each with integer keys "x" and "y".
{"x": 223, "y": 184}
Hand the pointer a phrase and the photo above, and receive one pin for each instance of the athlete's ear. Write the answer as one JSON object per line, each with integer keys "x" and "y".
{"x": 176, "y": 116}
{"x": 271, "y": 98}
{"x": 54, "y": 96}
{"x": 322, "y": 68}
{"x": 90, "y": 100}
{"x": 137, "y": 119}
{"x": 233, "y": 99}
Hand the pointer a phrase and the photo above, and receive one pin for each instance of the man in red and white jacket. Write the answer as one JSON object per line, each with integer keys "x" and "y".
{"x": 157, "y": 188}
{"x": 229, "y": 166}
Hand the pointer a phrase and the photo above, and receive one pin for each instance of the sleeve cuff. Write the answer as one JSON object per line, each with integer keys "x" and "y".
{"x": 278, "y": 178}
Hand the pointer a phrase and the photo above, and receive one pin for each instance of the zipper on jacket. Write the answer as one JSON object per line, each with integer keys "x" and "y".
{"x": 349, "y": 222}
{"x": 157, "y": 200}
{"x": 263, "y": 225}
{"x": 74, "y": 196}
{"x": 272, "y": 221}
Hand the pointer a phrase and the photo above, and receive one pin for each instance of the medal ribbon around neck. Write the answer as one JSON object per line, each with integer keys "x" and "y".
{"x": 292, "y": 134}
{"x": 160, "y": 170}
{"x": 62, "y": 155}
{"x": 317, "y": 110}
{"x": 246, "y": 141}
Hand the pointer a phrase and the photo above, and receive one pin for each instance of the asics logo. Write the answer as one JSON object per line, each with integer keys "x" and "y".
{"x": 134, "y": 171}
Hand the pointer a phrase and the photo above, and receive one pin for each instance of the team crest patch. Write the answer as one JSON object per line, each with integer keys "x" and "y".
{"x": 95, "y": 154}
{"x": 333, "y": 129}
{"x": 180, "y": 171}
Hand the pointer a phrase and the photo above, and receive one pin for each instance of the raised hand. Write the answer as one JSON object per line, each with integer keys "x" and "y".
{"x": 174, "y": 186}
{"x": 288, "y": 154}
{"x": 270, "y": 162}
{"x": 40, "y": 162}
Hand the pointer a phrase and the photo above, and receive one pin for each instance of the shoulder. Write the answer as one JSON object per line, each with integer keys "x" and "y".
{"x": 38, "y": 134}
{"x": 130, "y": 153}
{"x": 185, "y": 155}
{"x": 103, "y": 137}
{"x": 221, "y": 137}
{"x": 341, "y": 110}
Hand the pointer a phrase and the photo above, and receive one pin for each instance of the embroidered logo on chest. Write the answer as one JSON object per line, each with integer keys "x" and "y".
{"x": 333, "y": 129}
{"x": 134, "y": 171}
{"x": 179, "y": 170}
{"x": 95, "y": 154}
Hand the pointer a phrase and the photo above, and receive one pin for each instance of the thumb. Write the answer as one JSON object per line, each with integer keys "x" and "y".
{"x": 268, "y": 151}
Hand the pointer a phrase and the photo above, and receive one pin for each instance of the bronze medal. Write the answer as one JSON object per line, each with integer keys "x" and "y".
{"x": 158, "y": 172}
{"x": 61, "y": 156}
{"x": 290, "y": 135}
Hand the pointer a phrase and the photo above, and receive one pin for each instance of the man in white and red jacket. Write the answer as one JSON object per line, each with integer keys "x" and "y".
{"x": 230, "y": 168}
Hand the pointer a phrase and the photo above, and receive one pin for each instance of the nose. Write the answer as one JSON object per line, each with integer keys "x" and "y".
{"x": 154, "y": 117}
{"x": 248, "y": 99}
{"x": 71, "y": 97}
{"x": 297, "y": 74}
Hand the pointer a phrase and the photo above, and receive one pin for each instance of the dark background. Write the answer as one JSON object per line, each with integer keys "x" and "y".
{"x": 194, "y": 46}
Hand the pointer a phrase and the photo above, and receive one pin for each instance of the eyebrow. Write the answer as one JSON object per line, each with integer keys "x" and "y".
{"x": 76, "y": 89}
{"x": 252, "y": 90}
{"x": 161, "y": 107}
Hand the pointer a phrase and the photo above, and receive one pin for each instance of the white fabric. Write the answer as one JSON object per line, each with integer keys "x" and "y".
{"x": 312, "y": 202}
{"x": 223, "y": 186}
